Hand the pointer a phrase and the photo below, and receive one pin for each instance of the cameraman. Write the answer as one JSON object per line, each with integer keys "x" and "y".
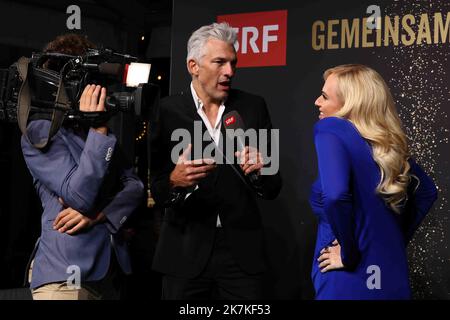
{"x": 87, "y": 192}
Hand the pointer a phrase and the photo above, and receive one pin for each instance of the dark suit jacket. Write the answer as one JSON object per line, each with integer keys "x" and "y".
{"x": 189, "y": 226}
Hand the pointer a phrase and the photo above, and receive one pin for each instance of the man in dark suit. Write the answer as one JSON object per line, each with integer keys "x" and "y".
{"x": 211, "y": 242}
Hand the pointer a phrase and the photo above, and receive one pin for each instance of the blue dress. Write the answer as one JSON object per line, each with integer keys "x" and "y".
{"x": 373, "y": 238}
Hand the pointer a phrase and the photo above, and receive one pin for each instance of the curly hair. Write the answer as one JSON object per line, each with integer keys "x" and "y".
{"x": 71, "y": 44}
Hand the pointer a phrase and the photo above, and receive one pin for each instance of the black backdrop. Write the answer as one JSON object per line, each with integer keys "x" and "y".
{"x": 417, "y": 74}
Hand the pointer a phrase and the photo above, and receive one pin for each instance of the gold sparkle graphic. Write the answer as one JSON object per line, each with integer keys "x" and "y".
{"x": 419, "y": 84}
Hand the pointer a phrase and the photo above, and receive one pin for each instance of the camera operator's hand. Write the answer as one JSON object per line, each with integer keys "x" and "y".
{"x": 71, "y": 221}
{"x": 93, "y": 100}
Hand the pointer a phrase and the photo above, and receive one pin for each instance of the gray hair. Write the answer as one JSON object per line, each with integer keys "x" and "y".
{"x": 220, "y": 31}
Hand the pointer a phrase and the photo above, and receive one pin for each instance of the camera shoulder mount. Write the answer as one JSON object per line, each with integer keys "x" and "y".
{"x": 62, "y": 104}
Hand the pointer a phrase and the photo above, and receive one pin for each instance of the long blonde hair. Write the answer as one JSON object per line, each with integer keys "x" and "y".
{"x": 369, "y": 105}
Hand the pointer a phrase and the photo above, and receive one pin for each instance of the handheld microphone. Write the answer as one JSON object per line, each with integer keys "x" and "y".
{"x": 233, "y": 120}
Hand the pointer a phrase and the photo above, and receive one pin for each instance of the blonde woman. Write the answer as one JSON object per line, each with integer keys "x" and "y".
{"x": 370, "y": 196}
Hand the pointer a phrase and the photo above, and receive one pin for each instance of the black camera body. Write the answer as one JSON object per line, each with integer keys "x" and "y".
{"x": 104, "y": 67}
{"x": 9, "y": 90}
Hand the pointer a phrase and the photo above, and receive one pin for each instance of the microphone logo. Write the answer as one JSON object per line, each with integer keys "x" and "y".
{"x": 230, "y": 120}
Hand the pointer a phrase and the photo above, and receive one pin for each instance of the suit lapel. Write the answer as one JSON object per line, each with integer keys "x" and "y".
{"x": 191, "y": 109}
{"x": 191, "y": 112}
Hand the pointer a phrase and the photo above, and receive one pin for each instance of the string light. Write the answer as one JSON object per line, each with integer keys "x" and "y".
{"x": 143, "y": 132}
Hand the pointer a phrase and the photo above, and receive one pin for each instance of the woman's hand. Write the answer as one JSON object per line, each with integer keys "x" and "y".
{"x": 330, "y": 258}
{"x": 93, "y": 100}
